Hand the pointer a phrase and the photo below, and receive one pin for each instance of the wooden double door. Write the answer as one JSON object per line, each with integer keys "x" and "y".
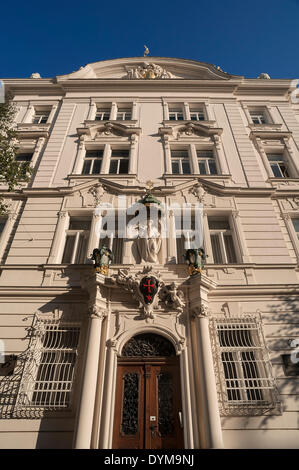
{"x": 148, "y": 406}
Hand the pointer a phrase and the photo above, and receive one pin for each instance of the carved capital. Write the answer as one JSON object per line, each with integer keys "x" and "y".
{"x": 201, "y": 312}
{"x": 96, "y": 312}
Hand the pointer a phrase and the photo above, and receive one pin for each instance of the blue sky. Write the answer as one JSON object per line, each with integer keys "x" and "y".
{"x": 57, "y": 37}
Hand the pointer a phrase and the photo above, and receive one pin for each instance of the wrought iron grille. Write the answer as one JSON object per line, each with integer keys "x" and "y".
{"x": 243, "y": 366}
{"x": 129, "y": 424}
{"x": 49, "y": 377}
{"x": 148, "y": 345}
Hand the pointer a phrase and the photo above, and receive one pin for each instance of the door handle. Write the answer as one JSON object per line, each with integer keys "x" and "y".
{"x": 181, "y": 419}
{"x": 153, "y": 430}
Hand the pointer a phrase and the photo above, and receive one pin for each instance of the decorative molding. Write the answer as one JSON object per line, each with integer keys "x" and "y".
{"x": 148, "y": 71}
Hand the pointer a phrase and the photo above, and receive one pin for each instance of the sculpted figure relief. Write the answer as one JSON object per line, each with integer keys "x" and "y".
{"x": 148, "y": 71}
{"x": 149, "y": 242}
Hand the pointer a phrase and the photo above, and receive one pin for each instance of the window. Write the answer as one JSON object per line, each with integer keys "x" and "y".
{"x": 176, "y": 114}
{"x": 24, "y": 156}
{"x": 75, "y": 249}
{"x": 124, "y": 114}
{"x": 102, "y": 114}
{"x": 295, "y": 223}
{"x": 180, "y": 162}
{"x": 206, "y": 162}
{"x": 185, "y": 238}
{"x": 197, "y": 115}
{"x": 51, "y": 378}
{"x": 2, "y": 224}
{"x": 119, "y": 163}
{"x": 258, "y": 116}
{"x": 245, "y": 370}
{"x": 114, "y": 241}
{"x": 222, "y": 241}
{"x": 92, "y": 162}
{"x": 41, "y": 117}
{"x": 278, "y": 165}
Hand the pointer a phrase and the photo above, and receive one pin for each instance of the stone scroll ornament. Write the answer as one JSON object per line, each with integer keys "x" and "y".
{"x": 148, "y": 289}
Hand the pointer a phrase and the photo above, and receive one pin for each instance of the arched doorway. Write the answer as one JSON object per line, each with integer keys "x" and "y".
{"x": 148, "y": 406}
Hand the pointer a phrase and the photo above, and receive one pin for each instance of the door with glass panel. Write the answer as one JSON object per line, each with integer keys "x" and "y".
{"x": 148, "y": 408}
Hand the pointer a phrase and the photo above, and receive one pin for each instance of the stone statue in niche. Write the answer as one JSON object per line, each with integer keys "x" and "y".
{"x": 149, "y": 242}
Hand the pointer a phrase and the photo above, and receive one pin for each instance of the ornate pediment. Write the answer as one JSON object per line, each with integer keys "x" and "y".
{"x": 151, "y": 68}
{"x": 107, "y": 128}
{"x": 190, "y": 129}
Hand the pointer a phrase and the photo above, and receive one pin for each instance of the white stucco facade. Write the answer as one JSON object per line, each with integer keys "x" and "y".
{"x": 201, "y": 136}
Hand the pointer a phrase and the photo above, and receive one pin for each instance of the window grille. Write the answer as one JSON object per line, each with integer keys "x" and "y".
{"x": 50, "y": 368}
{"x": 244, "y": 369}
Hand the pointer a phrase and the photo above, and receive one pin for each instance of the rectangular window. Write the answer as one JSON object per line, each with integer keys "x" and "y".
{"x": 180, "y": 162}
{"x": 41, "y": 117}
{"x": 206, "y": 162}
{"x": 52, "y": 383}
{"x": 24, "y": 156}
{"x": 176, "y": 114}
{"x": 278, "y": 165}
{"x": 197, "y": 114}
{"x": 92, "y": 162}
{"x": 258, "y": 116}
{"x": 119, "y": 163}
{"x": 114, "y": 242}
{"x": 295, "y": 224}
{"x": 124, "y": 114}
{"x": 246, "y": 373}
{"x": 184, "y": 238}
{"x": 2, "y": 224}
{"x": 222, "y": 242}
{"x": 75, "y": 249}
{"x": 102, "y": 114}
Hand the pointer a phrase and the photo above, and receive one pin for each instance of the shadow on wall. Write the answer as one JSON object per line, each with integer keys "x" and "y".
{"x": 285, "y": 319}
{"x": 54, "y": 427}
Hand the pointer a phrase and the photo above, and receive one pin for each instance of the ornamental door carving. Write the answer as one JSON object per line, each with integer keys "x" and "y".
{"x": 148, "y": 408}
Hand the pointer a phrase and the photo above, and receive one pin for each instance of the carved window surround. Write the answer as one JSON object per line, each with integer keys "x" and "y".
{"x": 107, "y": 136}
{"x": 252, "y": 396}
{"x": 193, "y": 136}
{"x": 113, "y": 107}
{"x": 276, "y": 143}
{"x": 30, "y": 112}
{"x": 186, "y": 107}
{"x": 239, "y": 240}
{"x": 287, "y": 217}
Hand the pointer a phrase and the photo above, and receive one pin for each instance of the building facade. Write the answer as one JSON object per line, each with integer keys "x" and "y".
{"x": 149, "y": 354}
